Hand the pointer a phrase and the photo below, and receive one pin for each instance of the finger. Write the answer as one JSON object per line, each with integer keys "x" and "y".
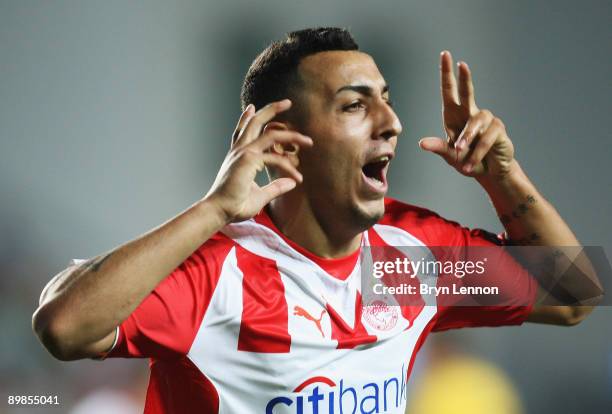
{"x": 255, "y": 124}
{"x": 438, "y": 146}
{"x": 466, "y": 88}
{"x": 244, "y": 118}
{"x": 283, "y": 164}
{"x": 272, "y": 137}
{"x": 448, "y": 84}
{"x": 276, "y": 188}
{"x": 482, "y": 148}
{"x": 474, "y": 126}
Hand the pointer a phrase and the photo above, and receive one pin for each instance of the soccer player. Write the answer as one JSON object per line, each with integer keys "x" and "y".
{"x": 249, "y": 301}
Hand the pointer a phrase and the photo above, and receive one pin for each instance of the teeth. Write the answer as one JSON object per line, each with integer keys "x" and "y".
{"x": 382, "y": 158}
{"x": 376, "y": 180}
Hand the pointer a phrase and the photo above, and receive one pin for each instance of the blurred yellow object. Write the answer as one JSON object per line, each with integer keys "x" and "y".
{"x": 464, "y": 385}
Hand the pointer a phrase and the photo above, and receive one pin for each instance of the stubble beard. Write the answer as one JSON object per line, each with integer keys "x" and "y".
{"x": 363, "y": 219}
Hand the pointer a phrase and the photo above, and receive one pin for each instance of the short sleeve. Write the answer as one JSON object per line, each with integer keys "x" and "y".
{"x": 167, "y": 320}
{"x": 519, "y": 287}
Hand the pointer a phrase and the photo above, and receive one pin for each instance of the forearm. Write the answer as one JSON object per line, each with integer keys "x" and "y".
{"x": 529, "y": 219}
{"x": 80, "y": 307}
{"x": 526, "y": 216}
{"x": 478, "y": 146}
{"x": 85, "y": 302}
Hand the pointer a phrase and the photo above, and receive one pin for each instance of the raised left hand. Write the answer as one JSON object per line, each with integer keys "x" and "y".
{"x": 477, "y": 144}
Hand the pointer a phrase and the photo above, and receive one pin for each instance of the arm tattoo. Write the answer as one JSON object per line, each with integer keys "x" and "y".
{"x": 518, "y": 212}
{"x": 525, "y": 241}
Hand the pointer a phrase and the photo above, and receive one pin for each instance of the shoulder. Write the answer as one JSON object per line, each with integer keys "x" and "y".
{"x": 400, "y": 213}
{"x": 212, "y": 253}
{"x": 218, "y": 241}
{"x": 423, "y": 223}
{"x": 408, "y": 216}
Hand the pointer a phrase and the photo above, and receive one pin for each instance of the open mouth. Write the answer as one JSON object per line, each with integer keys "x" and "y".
{"x": 375, "y": 172}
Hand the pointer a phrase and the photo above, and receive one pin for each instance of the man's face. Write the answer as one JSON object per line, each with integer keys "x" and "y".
{"x": 344, "y": 107}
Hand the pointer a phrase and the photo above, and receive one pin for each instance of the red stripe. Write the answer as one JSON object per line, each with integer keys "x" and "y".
{"x": 167, "y": 321}
{"x": 312, "y": 380}
{"x": 346, "y": 336}
{"x": 265, "y": 316}
{"x": 177, "y": 386}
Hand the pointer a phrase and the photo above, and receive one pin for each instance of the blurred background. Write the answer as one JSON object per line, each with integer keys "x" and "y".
{"x": 115, "y": 116}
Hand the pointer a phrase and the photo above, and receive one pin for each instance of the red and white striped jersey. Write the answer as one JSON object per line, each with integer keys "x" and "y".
{"x": 253, "y": 323}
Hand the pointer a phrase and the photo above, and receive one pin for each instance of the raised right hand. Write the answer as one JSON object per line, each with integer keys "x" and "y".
{"x": 234, "y": 190}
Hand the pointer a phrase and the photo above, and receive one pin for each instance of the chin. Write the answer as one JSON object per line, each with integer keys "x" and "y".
{"x": 368, "y": 213}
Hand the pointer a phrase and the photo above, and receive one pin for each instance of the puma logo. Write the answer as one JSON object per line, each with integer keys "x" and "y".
{"x": 299, "y": 311}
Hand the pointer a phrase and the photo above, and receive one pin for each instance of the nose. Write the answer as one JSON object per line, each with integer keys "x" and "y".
{"x": 389, "y": 125}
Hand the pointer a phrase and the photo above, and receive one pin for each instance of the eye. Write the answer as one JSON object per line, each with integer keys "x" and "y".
{"x": 353, "y": 106}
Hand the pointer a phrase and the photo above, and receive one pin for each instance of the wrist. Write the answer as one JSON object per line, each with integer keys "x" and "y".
{"x": 211, "y": 208}
{"x": 513, "y": 177}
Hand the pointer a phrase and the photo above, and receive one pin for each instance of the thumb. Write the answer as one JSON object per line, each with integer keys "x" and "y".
{"x": 437, "y": 146}
{"x": 276, "y": 188}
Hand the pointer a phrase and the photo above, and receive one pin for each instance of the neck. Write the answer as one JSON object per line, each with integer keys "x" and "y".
{"x": 296, "y": 219}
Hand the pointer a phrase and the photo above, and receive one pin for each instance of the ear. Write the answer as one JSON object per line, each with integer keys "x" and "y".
{"x": 281, "y": 149}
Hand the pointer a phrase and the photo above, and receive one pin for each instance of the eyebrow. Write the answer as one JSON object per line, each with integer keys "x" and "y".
{"x": 362, "y": 89}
